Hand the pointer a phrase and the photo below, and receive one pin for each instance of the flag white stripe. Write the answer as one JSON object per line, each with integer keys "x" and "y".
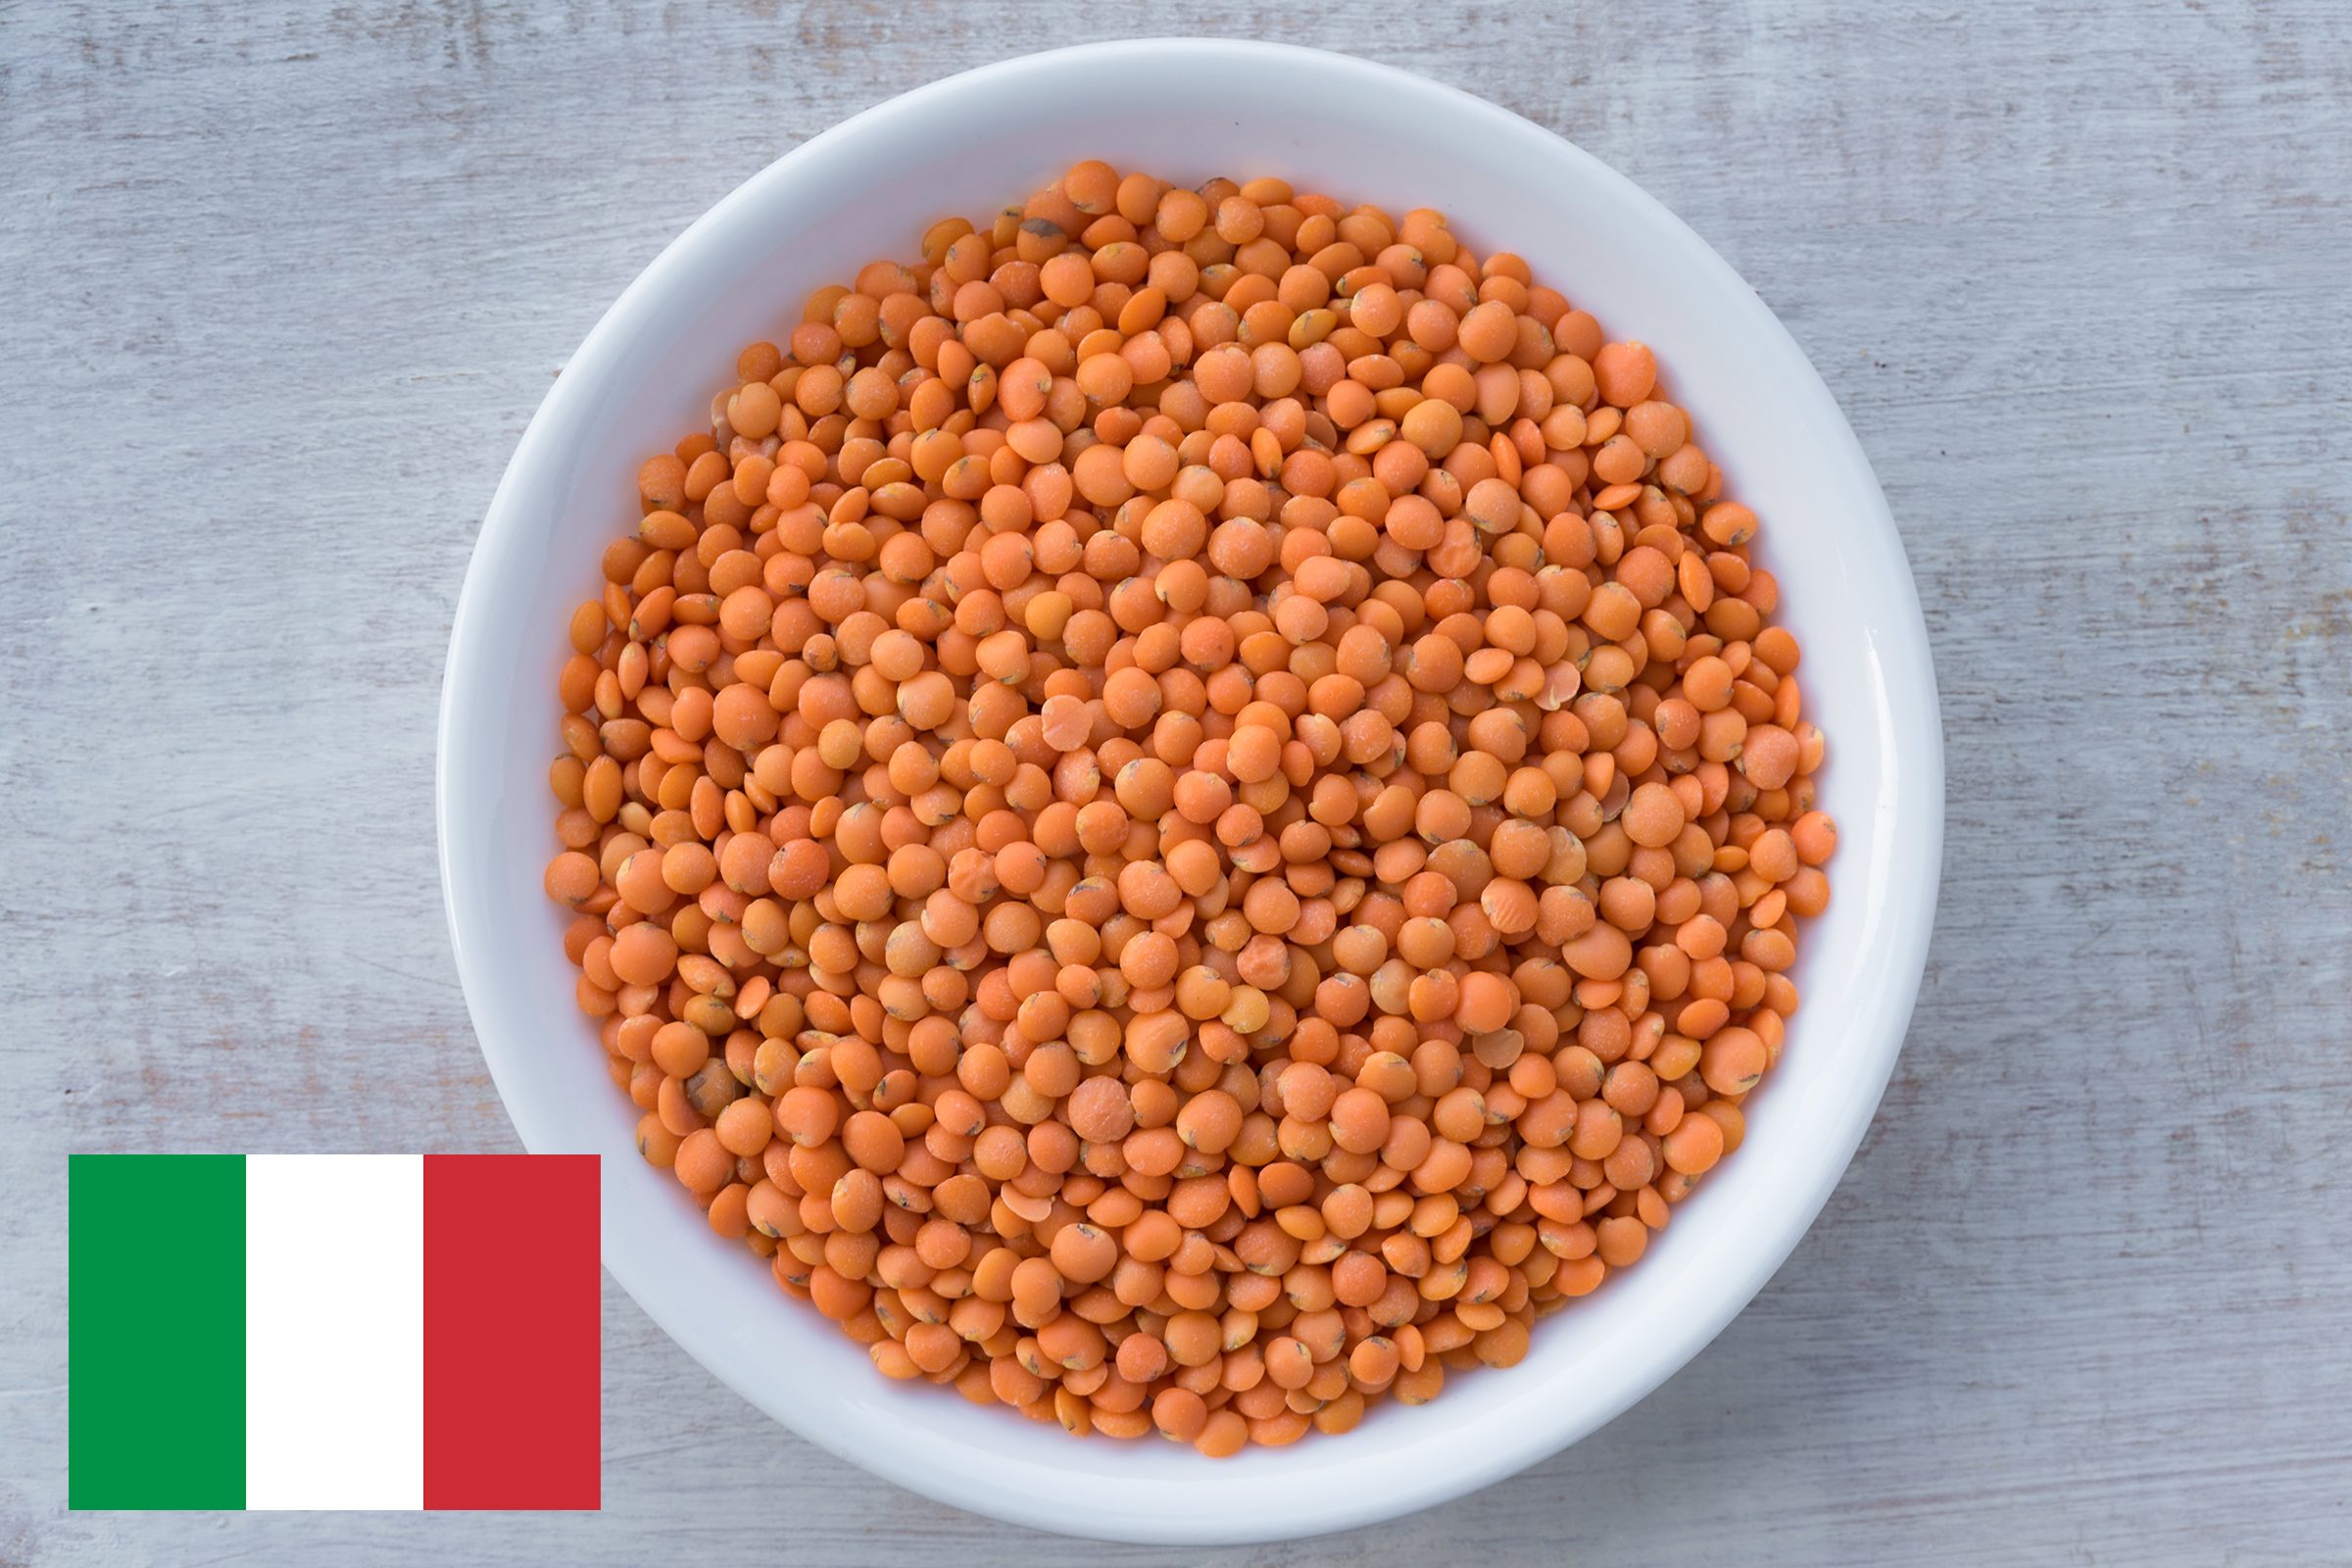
{"x": 335, "y": 1330}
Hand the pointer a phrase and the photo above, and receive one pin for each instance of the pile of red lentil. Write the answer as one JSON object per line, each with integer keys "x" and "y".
{"x": 1186, "y": 811}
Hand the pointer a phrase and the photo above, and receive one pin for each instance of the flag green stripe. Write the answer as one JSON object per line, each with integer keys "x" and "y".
{"x": 156, "y": 1331}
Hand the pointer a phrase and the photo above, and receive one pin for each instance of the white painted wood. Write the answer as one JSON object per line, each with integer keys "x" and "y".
{"x": 281, "y": 284}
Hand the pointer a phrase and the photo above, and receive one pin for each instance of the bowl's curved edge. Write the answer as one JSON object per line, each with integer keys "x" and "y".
{"x": 1916, "y": 745}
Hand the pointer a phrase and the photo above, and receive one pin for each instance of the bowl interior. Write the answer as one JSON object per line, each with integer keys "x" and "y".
{"x": 1187, "y": 110}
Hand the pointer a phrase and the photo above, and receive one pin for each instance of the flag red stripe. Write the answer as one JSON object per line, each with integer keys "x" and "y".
{"x": 511, "y": 1404}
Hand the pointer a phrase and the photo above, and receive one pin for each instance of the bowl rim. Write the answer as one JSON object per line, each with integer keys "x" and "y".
{"x": 1913, "y": 738}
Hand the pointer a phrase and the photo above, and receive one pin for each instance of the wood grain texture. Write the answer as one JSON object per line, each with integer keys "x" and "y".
{"x": 283, "y": 283}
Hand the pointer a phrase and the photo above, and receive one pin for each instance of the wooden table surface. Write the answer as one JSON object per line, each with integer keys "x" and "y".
{"x": 279, "y": 285}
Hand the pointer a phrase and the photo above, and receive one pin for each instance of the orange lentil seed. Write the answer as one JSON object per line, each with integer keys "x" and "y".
{"x": 1189, "y": 811}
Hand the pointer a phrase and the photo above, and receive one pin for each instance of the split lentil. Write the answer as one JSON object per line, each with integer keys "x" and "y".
{"x": 1188, "y": 813}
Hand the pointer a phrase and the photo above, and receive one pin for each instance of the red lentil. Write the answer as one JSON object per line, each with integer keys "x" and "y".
{"x": 1188, "y": 813}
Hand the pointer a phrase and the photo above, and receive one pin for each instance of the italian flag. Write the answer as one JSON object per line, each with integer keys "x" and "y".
{"x": 332, "y": 1331}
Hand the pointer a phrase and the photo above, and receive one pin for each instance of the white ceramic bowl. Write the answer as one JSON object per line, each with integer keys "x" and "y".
{"x": 1187, "y": 110}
